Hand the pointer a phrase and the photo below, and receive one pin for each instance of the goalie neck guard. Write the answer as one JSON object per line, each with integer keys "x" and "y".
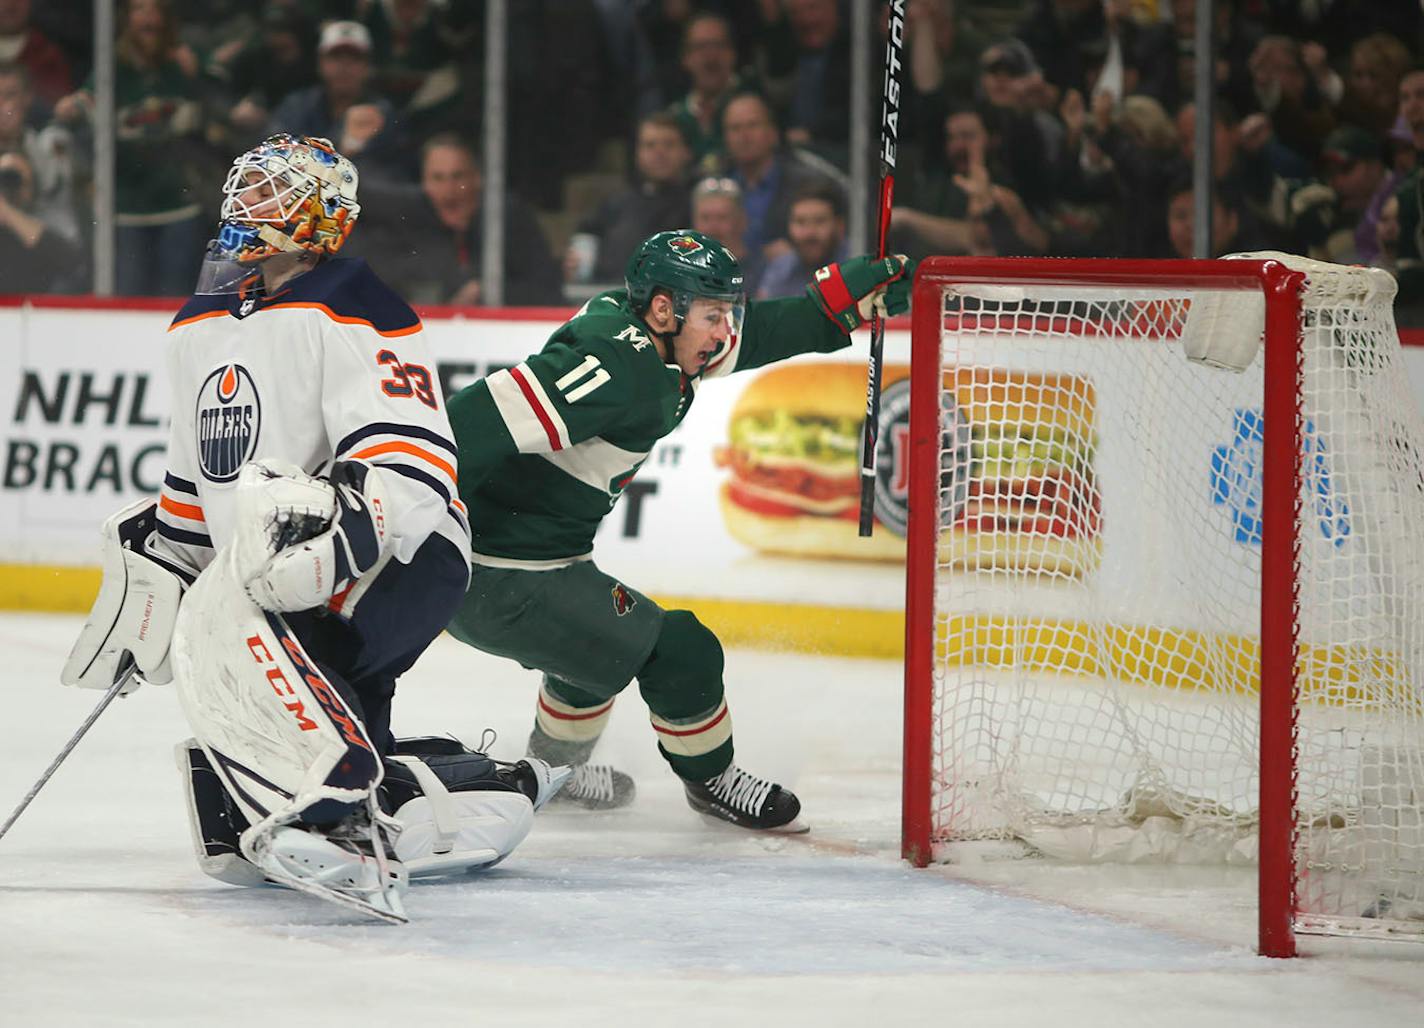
{"x": 288, "y": 194}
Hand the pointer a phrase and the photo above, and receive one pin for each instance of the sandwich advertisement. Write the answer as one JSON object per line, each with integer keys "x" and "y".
{"x": 1018, "y": 472}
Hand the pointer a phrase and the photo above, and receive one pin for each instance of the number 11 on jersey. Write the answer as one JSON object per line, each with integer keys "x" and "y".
{"x": 596, "y": 374}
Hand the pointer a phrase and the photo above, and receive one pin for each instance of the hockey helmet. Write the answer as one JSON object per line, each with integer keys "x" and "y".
{"x": 288, "y": 194}
{"x": 689, "y": 266}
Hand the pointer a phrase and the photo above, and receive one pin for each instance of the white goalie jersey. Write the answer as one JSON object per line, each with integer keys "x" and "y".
{"x": 331, "y": 367}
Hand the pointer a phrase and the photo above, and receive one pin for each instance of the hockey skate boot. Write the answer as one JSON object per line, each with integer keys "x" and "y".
{"x": 597, "y": 787}
{"x": 746, "y": 801}
{"x": 535, "y": 778}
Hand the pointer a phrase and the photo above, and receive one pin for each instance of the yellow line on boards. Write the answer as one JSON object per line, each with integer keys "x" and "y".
{"x": 1167, "y": 658}
{"x": 47, "y": 587}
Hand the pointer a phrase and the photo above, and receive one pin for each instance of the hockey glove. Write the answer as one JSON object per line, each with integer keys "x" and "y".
{"x": 134, "y": 614}
{"x": 320, "y": 536}
{"x": 850, "y": 292}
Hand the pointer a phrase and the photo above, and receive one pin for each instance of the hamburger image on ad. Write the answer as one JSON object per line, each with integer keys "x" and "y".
{"x": 1017, "y": 483}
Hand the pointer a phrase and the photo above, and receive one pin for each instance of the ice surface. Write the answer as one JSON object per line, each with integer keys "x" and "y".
{"x": 641, "y": 916}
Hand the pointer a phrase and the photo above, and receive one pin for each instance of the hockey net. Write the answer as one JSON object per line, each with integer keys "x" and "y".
{"x": 1156, "y": 610}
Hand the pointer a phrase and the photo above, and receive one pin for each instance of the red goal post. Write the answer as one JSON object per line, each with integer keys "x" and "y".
{"x": 1063, "y": 684}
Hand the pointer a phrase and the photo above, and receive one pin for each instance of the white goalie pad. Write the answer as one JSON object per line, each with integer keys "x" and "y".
{"x": 135, "y": 611}
{"x": 444, "y": 832}
{"x": 276, "y": 731}
{"x": 282, "y": 740}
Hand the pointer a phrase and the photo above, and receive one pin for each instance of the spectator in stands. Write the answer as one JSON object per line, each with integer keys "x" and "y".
{"x": 818, "y": 107}
{"x": 817, "y": 230}
{"x": 1014, "y": 98}
{"x": 709, "y": 56}
{"x": 1061, "y": 33}
{"x": 1241, "y": 161}
{"x": 23, "y": 44}
{"x": 1411, "y": 109}
{"x": 257, "y": 72}
{"x": 1355, "y": 170}
{"x": 1231, "y": 224}
{"x": 942, "y": 50}
{"x": 1409, "y": 255}
{"x": 1125, "y": 154}
{"x": 963, "y": 208}
{"x": 427, "y": 242}
{"x": 1284, "y": 90}
{"x": 414, "y": 64}
{"x": 767, "y": 175}
{"x": 344, "y": 108}
{"x": 50, "y": 152}
{"x": 1235, "y": 40}
{"x": 1387, "y": 233}
{"x": 656, "y": 200}
{"x": 717, "y": 211}
{"x": 158, "y": 205}
{"x": 33, "y": 257}
{"x": 1371, "y": 90}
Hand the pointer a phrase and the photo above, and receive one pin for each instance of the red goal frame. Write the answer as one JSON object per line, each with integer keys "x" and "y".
{"x": 1281, "y": 510}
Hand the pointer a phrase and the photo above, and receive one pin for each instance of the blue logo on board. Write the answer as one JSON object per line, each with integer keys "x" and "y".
{"x": 1236, "y": 477}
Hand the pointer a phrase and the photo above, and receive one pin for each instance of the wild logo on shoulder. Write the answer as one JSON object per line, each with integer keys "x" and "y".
{"x": 623, "y": 600}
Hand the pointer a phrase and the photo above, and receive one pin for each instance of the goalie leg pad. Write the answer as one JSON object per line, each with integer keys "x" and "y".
{"x": 214, "y": 820}
{"x": 275, "y": 728}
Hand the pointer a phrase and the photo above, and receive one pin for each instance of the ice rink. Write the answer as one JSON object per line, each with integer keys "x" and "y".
{"x": 645, "y": 916}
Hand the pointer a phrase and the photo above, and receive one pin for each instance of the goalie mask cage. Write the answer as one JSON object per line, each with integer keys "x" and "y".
{"x": 1157, "y": 610}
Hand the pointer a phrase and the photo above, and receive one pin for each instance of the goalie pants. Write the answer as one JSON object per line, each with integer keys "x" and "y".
{"x": 591, "y": 636}
{"x": 389, "y": 625}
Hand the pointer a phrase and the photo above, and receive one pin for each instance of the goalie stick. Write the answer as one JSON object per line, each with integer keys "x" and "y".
{"x": 889, "y": 135}
{"x": 108, "y": 698}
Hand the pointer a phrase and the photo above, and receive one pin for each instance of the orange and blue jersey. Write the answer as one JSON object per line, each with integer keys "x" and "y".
{"x": 332, "y": 366}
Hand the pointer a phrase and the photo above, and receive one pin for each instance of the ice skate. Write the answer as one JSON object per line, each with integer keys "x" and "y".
{"x": 597, "y": 787}
{"x": 349, "y": 864}
{"x": 746, "y": 801}
{"x": 537, "y": 779}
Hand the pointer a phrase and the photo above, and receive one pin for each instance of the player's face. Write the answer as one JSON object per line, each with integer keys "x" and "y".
{"x": 705, "y": 330}
{"x": 258, "y": 196}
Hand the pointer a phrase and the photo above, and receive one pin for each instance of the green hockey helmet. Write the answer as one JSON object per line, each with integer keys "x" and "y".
{"x": 689, "y": 266}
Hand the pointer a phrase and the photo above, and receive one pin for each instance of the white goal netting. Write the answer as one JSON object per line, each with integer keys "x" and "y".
{"x": 1098, "y": 587}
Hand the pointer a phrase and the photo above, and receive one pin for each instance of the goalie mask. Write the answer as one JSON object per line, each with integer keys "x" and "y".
{"x": 288, "y": 194}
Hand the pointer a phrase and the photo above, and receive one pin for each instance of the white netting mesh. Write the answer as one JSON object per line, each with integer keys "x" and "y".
{"x": 1099, "y": 579}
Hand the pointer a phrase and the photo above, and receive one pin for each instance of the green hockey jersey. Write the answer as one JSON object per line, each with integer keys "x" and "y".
{"x": 547, "y": 447}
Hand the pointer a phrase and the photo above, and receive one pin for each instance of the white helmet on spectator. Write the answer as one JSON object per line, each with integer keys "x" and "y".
{"x": 288, "y": 194}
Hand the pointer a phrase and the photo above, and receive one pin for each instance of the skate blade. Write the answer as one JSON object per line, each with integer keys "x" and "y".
{"x": 382, "y": 901}
{"x": 387, "y": 908}
{"x": 796, "y": 826}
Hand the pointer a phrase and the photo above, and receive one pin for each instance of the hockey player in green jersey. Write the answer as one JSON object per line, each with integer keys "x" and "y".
{"x": 545, "y": 450}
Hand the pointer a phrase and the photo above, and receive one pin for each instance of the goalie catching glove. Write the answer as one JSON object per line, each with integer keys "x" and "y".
{"x": 302, "y": 540}
{"x": 851, "y": 292}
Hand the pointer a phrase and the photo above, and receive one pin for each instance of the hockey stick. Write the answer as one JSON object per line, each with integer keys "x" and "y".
{"x": 889, "y": 133}
{"x": 114, "y": 690}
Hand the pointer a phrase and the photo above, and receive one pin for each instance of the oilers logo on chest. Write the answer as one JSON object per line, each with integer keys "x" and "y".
{"x": 228, "y": 422}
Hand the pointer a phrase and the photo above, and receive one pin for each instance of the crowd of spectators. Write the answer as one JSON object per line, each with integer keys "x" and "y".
{"x": 1060, "y": 127}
